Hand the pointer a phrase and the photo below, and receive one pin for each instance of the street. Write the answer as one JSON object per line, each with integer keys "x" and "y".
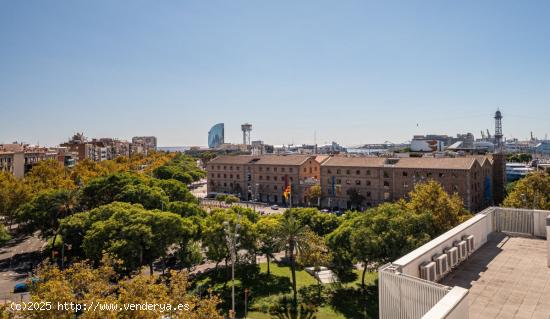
{"x": 17, "y": 258}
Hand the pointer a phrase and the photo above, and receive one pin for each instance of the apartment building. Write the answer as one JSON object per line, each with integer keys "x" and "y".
{"x": 18, "y": 159}
{"x": 264, "y": 178}
{"x": 143, "y": 144}
{"x": 98, "y": 150}
{"x": 388, "y": 179}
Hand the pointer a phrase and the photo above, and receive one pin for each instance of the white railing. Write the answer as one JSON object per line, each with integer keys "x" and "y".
{"x": 529, "y": 222}
{"x": 405, "y": 297}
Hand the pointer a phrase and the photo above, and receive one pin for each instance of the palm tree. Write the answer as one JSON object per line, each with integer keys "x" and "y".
{"x": 67, "y": 201}
{"x": 292, "y": 236}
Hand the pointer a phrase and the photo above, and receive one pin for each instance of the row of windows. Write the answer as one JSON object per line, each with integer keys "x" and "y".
{"x": 225, "y": 175}
{"x": 428, "y": 174}
{"x": 281, "y": 178}
{"x": 238, "y": 168}
{"x": 275, "y": 169}
{"x": 348, "y": 172}
{"x": 386, "y": 174}
{"x": 348, "y": 182}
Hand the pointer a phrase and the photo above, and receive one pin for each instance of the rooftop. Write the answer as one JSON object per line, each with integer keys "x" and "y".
{"x": 507, "y": 277}
{"x": 432, "y": 162}
{"x": 355, "y": 161}
{"x": 262, "y": 160}
{"x": 494, "y": 265}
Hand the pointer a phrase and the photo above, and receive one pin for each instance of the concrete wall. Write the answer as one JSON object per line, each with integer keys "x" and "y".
{"x": 453, "y": 306}
{"x": 481, "y": 225}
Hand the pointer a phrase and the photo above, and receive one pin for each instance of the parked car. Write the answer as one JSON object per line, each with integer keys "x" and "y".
{"x": 24, "y": 286}
{"x": 275, "y": 207}
{"x": 325, "y": 210}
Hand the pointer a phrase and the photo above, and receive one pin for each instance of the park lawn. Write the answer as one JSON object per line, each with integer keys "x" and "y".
{"x": 302, "y": 277}
{"x": 324, "y": 312}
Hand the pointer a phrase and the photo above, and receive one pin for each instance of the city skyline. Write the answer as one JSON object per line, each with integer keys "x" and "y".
{"x": 352, "y": 72}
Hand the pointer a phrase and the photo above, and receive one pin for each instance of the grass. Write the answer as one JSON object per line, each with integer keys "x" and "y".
{"x": 345, "y": 300}
{"x": 302, "y": 277}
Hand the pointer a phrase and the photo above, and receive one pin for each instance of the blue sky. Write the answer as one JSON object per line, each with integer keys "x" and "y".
{"x": 353, "y": 71}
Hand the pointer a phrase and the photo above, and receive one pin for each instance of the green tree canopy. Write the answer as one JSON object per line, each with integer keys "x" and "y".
{"x": 129, "y": 232}
{"x": 104, "y": 190}
{"x": 532, "y": 191}
{"x": 13, "y": 194}
{"x": 430, "y": 197}
{"x": 45, "y": 211}
{"x": 319, "y": 222}
{"x": 46, "y": 175}
{"x": 150, "y": 197}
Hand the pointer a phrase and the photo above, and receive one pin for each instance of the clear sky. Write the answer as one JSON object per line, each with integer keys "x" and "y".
{"x": 353, "y": 71}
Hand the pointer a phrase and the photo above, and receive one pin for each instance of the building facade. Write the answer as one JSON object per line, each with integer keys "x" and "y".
{"x": 379, "y": 179}
{"x": 264, "y": 178}
{"x": 143, "y": 144}
{"x": 18, "y": 159}
{"x": 216, "y": 136}
{"x": 101, "y": 149}
{"x": 375, "y": 179}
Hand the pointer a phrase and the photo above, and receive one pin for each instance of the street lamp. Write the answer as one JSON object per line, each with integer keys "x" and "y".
{"x": 231, "y": 238}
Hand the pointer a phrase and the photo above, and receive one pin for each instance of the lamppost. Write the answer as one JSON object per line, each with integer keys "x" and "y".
{"x": 231, "y": 238}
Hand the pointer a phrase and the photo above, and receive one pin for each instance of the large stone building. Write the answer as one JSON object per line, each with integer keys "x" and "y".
{"x": 376, "y": 179}
{"x": 389, "y": 179}
{"x": 264, "y": 178}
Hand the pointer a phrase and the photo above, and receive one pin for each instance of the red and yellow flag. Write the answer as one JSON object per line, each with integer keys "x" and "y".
{"x": 287, "y": 191}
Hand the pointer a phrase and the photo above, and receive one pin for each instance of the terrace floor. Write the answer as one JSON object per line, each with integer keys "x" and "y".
{"x": 508, "y": 278}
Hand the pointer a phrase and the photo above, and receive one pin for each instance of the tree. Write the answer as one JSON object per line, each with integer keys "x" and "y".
{"x": 315, "y": 194}
{"x": 86, "y": 170}
{"x": 150, "y": 197}
{"x": 190, "y": 255}
{"x": 230, "y": 199}
{"x": 4, "y": 235}
{"x": 13, "y": 194}
{"x": 104, "y": 190}
{"x": 430, "y": 197}
{"x": 532, "y": 191}
{"x": 182, "y": 168}
{"x": 355, "y": 198}
{"x": 213, "y": 233}
{"x": 46, "y": 210}
{"x": 267, "y": 229}
{"x": 128, "y": 232}
{"x": 136, "y": 236}
{"x": 186, "y": 209}
{"x": 82, "y": 284}
{"x": 387, "y": 233}
{"x": 379, "y": 235}
{"x": 48, "y": 174}
{"x": 320, "y": 223}
{"x": 175, "y": 190}
{"x": 292, "y": 236}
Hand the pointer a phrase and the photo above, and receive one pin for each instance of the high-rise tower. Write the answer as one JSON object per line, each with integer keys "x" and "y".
{"x": 498, "y": 132}
{"x": 246, "y": 128}
{"x": 499, "y": 162}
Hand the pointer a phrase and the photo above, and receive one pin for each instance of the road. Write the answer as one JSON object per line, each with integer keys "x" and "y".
{"x": 16, "y": 259}
{"x": 200, "y": 192}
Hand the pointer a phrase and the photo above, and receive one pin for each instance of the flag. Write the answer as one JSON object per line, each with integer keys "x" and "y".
{"x": 287, "y": 192}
